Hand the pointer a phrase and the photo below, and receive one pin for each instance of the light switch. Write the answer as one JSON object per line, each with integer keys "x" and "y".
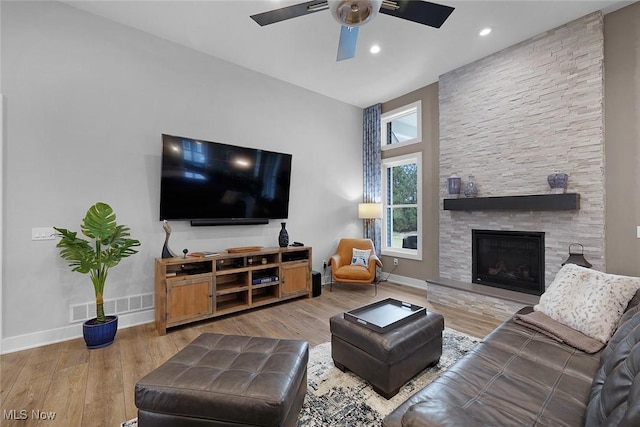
{"x": 43, "y": 233}
{"x": 638, "y": 232}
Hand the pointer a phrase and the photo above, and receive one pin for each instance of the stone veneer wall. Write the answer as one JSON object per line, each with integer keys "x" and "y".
{"x": 512, "y": 118}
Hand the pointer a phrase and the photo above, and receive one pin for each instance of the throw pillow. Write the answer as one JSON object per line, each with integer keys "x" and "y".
{"x": 587, "y": 300}
{"x": 361, "y": 257}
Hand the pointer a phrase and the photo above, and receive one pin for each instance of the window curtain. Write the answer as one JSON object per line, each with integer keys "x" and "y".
{"x": 371, "y": 158}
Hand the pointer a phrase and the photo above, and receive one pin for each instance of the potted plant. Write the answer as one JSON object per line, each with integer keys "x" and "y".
{"x": 109, "y": 244}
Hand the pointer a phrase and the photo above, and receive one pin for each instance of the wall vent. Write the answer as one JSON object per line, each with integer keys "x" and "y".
{"x": 86, "y": 311}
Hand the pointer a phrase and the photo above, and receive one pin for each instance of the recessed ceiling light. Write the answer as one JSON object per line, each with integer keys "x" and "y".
{"x": 374, "y": 49}
{"x": 485, "y": 31}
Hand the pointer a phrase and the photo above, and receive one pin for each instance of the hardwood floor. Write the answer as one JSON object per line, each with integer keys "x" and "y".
{"x": 96, "y": 387}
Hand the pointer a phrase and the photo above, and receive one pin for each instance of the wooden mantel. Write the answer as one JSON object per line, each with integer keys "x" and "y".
{"x": 537, "y": 202}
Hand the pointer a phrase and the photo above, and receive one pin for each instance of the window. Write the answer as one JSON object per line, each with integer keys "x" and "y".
{"x": 402, "y": 214}
{"x": 402, "y": 126}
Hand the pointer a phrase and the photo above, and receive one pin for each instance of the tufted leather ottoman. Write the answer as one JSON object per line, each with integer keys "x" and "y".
{"x": 226, "y": 380}
{"x": 387, "y": 360}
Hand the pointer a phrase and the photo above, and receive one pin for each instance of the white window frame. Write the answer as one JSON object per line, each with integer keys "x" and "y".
{"x": 415, "y": 254}
{"x": 413, "y": 108}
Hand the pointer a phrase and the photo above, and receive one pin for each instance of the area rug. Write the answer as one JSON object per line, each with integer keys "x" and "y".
{"x": 336, "y": 398}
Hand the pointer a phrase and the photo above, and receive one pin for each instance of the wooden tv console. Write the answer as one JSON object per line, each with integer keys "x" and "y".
{"x": 191, "y": 289}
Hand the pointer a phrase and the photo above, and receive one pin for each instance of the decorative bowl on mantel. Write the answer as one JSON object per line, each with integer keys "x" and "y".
{"x": 558, "y": 182}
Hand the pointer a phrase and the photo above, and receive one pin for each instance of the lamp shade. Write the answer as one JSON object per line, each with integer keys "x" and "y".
{"x": 369, "y": 210}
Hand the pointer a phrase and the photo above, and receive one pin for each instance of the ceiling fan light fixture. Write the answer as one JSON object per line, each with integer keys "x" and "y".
{"x": 354, "y": 13}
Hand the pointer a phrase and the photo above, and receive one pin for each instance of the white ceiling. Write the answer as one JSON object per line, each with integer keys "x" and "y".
{"x": 302, "y": 50}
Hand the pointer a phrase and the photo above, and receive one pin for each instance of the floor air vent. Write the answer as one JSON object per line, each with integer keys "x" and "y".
{"x": 86, "y": 311}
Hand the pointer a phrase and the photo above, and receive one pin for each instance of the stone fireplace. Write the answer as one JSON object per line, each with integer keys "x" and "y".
{"x": 511, "y": 119}
{"x": 511, "y": 260}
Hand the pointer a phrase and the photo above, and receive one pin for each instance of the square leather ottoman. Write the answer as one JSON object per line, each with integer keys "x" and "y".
{"x": 226, "y": 380}
{"x": 387, "y": 360}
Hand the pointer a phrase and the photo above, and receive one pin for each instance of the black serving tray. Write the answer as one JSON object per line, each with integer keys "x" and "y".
{"x": 385, "y": 315}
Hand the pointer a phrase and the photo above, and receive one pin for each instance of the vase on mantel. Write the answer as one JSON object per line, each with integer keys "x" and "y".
{"x": 558, "y": 182}
{"x": 471, "y": 188}
{"x": 283, "y": 237}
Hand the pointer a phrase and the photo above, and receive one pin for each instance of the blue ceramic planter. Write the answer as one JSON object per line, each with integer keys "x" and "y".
{"x": 100, "y": 335}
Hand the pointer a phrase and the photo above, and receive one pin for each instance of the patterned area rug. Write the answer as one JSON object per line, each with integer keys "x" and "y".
{"x": 336, "y": 398}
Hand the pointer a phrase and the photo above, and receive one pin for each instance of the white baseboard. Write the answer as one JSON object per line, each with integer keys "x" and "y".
{"x": 52, "y": 336}
{"x": 408, "y": 281}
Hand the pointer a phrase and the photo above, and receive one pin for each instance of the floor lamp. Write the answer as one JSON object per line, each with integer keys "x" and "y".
{"x": 369, "y": 212}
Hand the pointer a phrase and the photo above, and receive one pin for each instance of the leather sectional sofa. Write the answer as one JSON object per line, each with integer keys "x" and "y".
{"x": 519, "y": 377}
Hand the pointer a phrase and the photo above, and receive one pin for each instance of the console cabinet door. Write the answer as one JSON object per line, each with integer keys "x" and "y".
{"x": 295, "y": 278}
{"x": 188, "y": 299}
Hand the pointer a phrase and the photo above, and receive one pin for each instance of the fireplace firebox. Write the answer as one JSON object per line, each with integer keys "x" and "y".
{"x": 511, "y": 260}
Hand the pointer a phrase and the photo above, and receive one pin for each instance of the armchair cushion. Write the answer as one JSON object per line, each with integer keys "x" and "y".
{"x": 361, "y": 257}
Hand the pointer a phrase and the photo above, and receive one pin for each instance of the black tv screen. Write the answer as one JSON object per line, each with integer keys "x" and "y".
{"x": 211, "y": 183}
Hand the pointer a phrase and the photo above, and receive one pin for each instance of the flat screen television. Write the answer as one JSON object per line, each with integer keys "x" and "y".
{"x": 210, "y": 183}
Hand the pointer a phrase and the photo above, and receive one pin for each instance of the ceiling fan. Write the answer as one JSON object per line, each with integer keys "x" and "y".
{"x": 353, "y": 13}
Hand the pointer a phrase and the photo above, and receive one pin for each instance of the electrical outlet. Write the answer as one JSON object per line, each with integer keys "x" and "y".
{"x": 43, "y": 233}
{"x": 395, "y": 261}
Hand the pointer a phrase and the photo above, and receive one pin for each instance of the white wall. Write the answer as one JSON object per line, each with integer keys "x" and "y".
{"x": 86, "y": 101}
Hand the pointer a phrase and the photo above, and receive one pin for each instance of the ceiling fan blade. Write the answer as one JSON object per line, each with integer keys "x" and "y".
{"x": 347, "y": 44}
{"x": 422, "y": 12}
{"x": 289, "y": 12}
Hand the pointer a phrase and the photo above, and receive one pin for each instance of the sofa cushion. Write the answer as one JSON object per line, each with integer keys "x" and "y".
{"x": 514, "y": 377}
{"x": 587, "y": 300}
{"x": 615, "y": 392}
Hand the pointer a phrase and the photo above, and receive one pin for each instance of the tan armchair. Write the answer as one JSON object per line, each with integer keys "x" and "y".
{"x": 343, "y": 271}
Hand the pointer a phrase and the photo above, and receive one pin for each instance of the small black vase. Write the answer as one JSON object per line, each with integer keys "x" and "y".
{"x": 283, "y": 237}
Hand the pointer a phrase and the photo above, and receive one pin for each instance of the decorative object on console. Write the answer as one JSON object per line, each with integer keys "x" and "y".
{"x": 471, "y": 188}
{"x": 558, "y": 182}
{"x": 185, "y": 252}
{"x": 454, "y": 184}
{"x": 166, "y": 252}
{"x": 283, "y": 237}
{"x": 577, "y": 258}
{"x": 241, "y": 249}
{"x": 110, "y": 243}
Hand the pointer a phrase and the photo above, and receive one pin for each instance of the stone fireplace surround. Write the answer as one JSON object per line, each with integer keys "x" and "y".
{"x": 511, "y": 119}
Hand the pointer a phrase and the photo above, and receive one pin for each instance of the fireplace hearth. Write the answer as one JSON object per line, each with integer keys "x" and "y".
{"x": 511, "y": 260}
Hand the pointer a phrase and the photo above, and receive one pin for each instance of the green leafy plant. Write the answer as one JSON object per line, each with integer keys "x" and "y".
{"x": 110, "y": 244}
